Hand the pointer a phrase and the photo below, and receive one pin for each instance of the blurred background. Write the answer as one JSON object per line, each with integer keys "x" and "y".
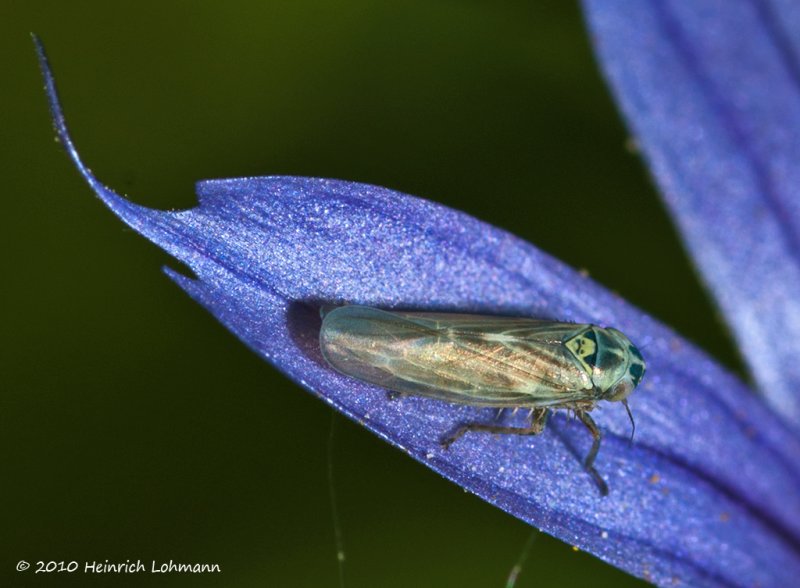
{"x": 132, "y": 425}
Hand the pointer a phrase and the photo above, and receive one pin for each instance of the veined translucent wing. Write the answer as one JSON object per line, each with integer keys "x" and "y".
{"x": 467, "y": 359}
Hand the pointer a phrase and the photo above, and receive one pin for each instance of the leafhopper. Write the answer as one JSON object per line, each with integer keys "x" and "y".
{"x": 489, "y": 361}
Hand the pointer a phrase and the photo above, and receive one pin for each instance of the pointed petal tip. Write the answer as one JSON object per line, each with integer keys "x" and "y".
{"x": 59, "y": 123}
{"x": 152, "y": 224}
{"x": 121, "y": 206}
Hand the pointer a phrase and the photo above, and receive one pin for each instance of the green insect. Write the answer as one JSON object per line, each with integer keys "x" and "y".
{"x": 490, "y": 361}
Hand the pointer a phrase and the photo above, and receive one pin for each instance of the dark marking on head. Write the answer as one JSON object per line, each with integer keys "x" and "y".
{"x": 591, "y": 359}
{"x": 584, "y": 348}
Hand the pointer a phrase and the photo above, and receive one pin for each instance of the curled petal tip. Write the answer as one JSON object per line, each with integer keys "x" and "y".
{"x": 157, "y": 226}
{"x": 60, "y": 126}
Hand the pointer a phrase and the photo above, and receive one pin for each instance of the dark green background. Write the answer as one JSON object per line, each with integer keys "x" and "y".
{"x": 132, "y": 425}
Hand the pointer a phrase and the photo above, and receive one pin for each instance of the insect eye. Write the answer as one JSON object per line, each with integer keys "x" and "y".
{"x": 636, "y": 371}
{"x": 621, "y": 390}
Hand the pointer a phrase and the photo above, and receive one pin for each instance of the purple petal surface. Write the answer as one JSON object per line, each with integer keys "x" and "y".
{"x": 711, "y": 91}
{"x": 708, "y": 493}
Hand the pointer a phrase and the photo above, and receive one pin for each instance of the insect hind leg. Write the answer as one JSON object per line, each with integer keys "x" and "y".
{"x": 588, "y": 463}
{"x": 538, "y": 419}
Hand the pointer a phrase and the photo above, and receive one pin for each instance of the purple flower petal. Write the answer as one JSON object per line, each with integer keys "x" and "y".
{"x": 712, "y": 92}
{"x": 707, "y": 495}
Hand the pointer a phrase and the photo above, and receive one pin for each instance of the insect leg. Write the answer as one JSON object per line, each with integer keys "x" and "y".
{"x": 589, "y": 463}
{"x": 538, "y": 420}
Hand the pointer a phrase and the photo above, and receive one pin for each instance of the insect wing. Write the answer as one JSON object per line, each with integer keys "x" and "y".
{"x": 468, "y": 359}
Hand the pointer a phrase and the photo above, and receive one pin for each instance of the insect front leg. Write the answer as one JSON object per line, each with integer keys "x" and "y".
{"x": 538, "y": 419}
{"x": 589, "y": 462}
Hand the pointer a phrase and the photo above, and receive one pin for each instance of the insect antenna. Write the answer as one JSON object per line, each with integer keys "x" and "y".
{"x": 630, "y": 416}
